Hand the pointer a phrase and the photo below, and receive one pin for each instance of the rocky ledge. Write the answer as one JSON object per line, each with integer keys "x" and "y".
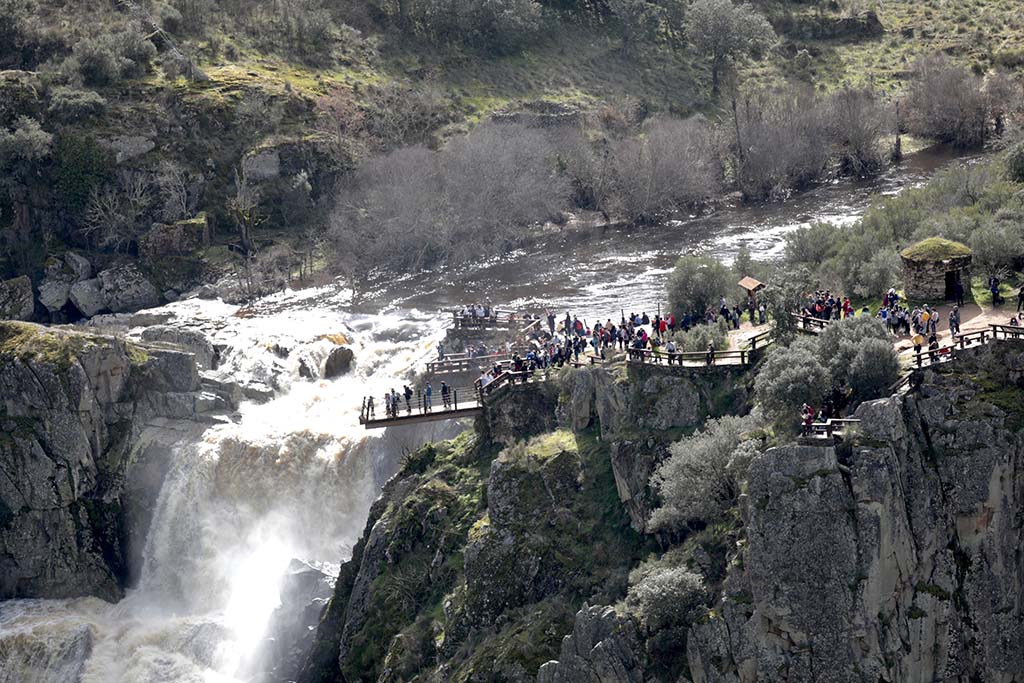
{"x": 86, "y": 426}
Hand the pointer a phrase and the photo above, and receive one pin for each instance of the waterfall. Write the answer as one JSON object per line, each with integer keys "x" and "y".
{"x": 290, "y": 478}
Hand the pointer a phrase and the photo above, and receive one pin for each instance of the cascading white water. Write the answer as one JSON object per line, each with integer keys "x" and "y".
{"x": 291, "y": 478}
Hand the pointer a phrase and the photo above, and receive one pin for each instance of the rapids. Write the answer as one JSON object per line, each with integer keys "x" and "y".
{"x": 294, "y": 477}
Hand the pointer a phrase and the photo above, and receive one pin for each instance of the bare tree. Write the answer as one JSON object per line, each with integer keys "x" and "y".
{"x": 341, "y": 124}
{"x": 945, "y": 102}
{"x": 244, "y": 206}
{"x": 413, "y": 208}
{"x": 114, "y": 212}
{"x": 173, "y": 182}
{"x": 674, "y": 164}
{"x": 781, "y": 142}
{"x": 858, "y": 120}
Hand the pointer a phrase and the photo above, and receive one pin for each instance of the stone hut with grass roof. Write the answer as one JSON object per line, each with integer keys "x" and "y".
{"x": 932, "y": 267}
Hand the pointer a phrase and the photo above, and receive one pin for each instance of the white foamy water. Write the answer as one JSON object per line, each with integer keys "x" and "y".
{"x": 290, "y": 478}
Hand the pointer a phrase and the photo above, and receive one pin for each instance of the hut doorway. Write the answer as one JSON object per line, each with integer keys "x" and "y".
{"x": 952, "y": 277}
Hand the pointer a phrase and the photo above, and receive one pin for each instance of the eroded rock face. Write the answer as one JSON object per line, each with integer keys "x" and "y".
{"x": 602, "y": 648}
{"x": 591, "y": 392}
{"x": 125, "y": 289}
{"x": 191, "y": 340}
{"x": 894, "y": 560}
{"x": 16, "y": 299}
{"x": 72, "y": 407}
{"x": 87, "y": 296}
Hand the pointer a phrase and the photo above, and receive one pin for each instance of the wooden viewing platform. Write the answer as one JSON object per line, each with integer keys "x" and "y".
{"x": 456, "y": 363}
{"x": 464, "y": 402}
{"x": 689, "y": 359}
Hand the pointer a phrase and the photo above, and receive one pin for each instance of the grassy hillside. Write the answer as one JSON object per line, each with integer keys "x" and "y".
{"x": 107, "y": 87}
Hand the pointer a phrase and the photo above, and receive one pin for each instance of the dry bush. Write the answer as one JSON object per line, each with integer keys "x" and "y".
{"x": 945, "y": 102}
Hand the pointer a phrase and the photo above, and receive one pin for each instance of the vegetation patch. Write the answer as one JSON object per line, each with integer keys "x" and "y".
{"x": 935, "y": 249}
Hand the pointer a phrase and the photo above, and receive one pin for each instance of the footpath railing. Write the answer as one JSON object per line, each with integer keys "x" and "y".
{"x": 828, "y": 428}
{"x": 808, "y": 323}
{"x": 465, "y": 362}
{"x": 927, "y": 358}
{"x": 458, "y": 399}
{"x": 761, "y": 340}
{"x": 497, "y": 319}
{"x": 689, "y": 358}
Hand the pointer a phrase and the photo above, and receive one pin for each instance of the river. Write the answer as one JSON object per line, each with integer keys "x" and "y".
{"x": 294, "y": 477}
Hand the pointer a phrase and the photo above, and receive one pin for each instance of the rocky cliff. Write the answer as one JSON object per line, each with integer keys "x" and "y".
{"x": 891, "y": 555}
{"x": 894, "y": 558}
{"x": 87, "y": 423}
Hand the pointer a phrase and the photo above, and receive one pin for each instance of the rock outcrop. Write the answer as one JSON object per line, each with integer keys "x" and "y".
{"x": 16, "y": 299}
{"x": 73, "y": 409}
{"x": 338, "y": 362}
{"x": 602, "y": 648}
{"x": 889, "y": 555}
{"x": 893, "y": 558}
{"x": 125, "y": 289}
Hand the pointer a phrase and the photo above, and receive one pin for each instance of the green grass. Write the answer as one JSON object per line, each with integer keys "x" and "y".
{"x": 1007, "y": 289}
{"x": 28, "y": 342}
{"x": 935, "y": 249}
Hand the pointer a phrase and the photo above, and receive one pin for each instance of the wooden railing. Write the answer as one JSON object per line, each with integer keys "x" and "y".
{"x": 496, "y": 320}
{"x": 419, "y": 403}
{"x": 809, "y": 323}
{"x": 829, "y": 427}
{"x": 506, "y": 378}
{"x": 682, "y": 357}
{"x": 927, "y": 357}
{"x": 464, "y": 362}
{"x": 761, "y": 340}
{"x": 1006, "y": 332}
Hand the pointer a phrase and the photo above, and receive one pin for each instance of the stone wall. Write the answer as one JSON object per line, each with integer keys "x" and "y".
{"x": 926, "y": 280}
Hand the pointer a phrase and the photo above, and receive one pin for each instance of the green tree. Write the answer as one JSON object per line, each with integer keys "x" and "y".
{"x": 696, "y": 284}
{"x": 701, "y": 478}
{"x": 639, "y": 21}
{"x": 790, "y": 377}
{"x": 723, "y": 31}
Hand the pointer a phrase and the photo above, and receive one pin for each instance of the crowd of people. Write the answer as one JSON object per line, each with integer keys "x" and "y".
{"x": 565, "y": 340}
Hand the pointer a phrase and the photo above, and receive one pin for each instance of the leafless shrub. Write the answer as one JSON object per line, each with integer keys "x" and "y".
{"x": 674, "y": 164}
{"x": 858, "y": 121}
{"x": 114, "y": 213}
{"x": 781, "y": 142}
{"x": 413, "y": 208}
{"x": 945, "y": 102}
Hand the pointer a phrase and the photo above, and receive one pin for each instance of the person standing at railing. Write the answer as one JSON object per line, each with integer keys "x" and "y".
{"x": 711, "y": 354}
{"x": 918, "y": 341}
{"x": 369, "y": 407}
{"x": 440, "y": 352}
{"x": 428, "y": 395}
{"x": 807, "y": 418}
{"x": 670, "y": 349}
{"x": 408, "y": 399}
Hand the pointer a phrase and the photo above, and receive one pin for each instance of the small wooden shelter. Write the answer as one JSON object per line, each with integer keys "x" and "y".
{"x": 751, "y": 287}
